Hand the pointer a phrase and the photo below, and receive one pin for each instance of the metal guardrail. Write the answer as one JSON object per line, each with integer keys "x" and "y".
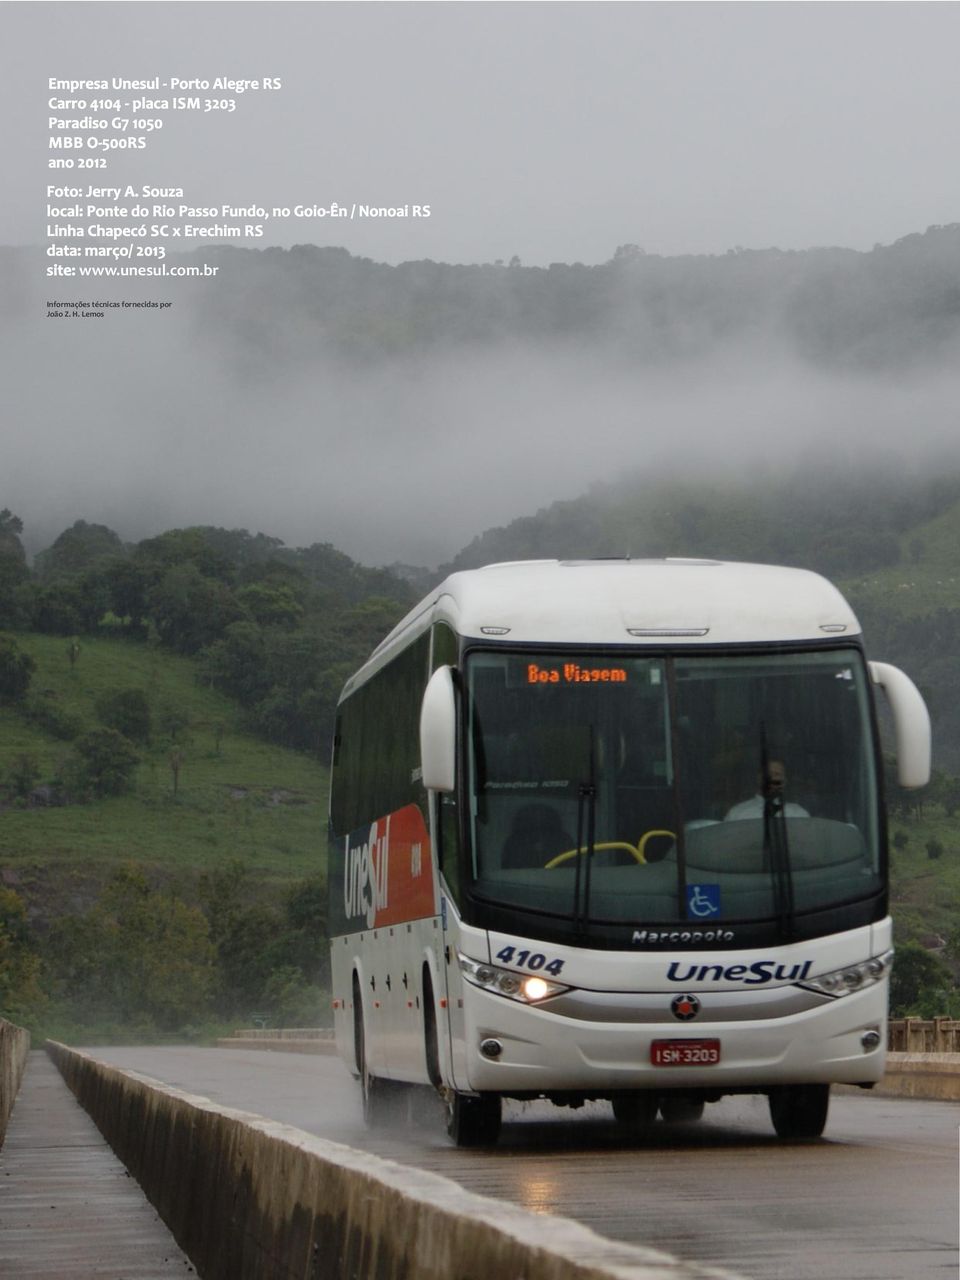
{"x": 924, "y": 1035}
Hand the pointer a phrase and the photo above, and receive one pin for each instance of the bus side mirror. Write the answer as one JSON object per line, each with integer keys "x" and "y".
{"x": 438, "y": 732}
{"x": 911, "y": 723}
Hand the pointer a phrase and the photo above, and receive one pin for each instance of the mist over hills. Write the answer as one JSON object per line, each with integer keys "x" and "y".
{"x": 795, "y": 407}
{"x": 846, "y": 521}
{"x": 889, "y": 309}
{"x": 396, "y": 411}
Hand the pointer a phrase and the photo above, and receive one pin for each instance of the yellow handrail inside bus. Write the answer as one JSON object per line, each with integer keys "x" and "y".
{"x": 637, "y": 851}
{"x": 606, "y": 844}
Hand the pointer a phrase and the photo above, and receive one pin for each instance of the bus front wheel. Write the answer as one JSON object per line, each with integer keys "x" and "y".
{"x": 635, "y": 1111}
{"x": 679, "y": 1110}
{"x": 799, "y": 1110}
{"x": 473, "y": 1122}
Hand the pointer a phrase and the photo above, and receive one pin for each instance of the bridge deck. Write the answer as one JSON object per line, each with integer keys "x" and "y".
{"x": 68, "y": 1208}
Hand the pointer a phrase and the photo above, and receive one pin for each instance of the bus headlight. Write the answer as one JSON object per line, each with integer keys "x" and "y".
{"x": 852, "y": 977}
{"x": 527, "y": 988}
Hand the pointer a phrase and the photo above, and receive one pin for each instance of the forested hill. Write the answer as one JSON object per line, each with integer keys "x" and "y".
{"x": 278, "y": 629}
{"x": 840, "y": 521}
{"x": 892, "y": 307}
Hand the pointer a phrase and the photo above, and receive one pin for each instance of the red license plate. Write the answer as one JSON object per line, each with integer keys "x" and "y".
{"x": 685, "y": 1053}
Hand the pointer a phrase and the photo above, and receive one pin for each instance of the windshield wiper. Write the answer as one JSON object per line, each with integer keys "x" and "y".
{"x": 776, "y": 850}
{"x": 586, "y": 818}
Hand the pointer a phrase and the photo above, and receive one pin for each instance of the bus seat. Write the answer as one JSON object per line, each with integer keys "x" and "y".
{"x": 536, "y": 836}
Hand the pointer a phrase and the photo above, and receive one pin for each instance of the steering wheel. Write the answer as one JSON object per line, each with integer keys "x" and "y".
{"x": 635, "y": 852}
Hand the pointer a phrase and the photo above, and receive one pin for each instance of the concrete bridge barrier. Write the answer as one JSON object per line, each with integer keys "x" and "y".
{"x": 14, "y": 1047}
{"x": 249, "y": 1199}
{"x": 922, "y": 1075}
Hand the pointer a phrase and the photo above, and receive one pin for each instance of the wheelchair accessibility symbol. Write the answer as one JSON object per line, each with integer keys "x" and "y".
{"x": 703, "y": 901}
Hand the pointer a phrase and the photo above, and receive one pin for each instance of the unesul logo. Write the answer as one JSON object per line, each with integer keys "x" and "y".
{"x": 751, "y": 975}
{"x": 366, "y": 874}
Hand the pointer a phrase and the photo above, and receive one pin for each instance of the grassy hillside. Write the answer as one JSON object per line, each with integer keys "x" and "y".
{"x": 925, "y": 891}
{"x": 238, "y": 798}
{"x": 927, "y": 576}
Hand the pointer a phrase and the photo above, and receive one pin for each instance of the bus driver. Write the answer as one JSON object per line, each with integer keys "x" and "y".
{"x": 770, "y": 787}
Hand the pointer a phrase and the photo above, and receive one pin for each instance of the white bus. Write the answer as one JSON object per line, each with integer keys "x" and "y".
{"x": 615, "y": 830}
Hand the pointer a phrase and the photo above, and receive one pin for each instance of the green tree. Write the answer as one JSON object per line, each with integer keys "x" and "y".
{"x": 77, "y": 548}
{"x": 173, "y": 722}
{"x": 367, "y": 623}
{"x": 127, "y": 711}
{"x": 948, "y": 793}
{"x": 103, "y": 763}
{"x": 190, "y": 610}
{"x": 24, "y": 773}
{"x": 138, "y": 956}
{"x": 68, "y": 608}
{"x": 270, "y": 960}
{"x": 920, "y": 985}
{"x": 22, "y": 998}
{"x": 235, "y": 664}
{"x": 44, "y": 710}
{"x": 126, "y": 583}
{"x": 304, "y": 943}
{"x": 16, "y": 671}
{"x": 292, "y": 1001}
{"x": 271, "y": 605}
{"x": 244, "y": 952}
{"x": 194, "y": 547}
{"x": 14, "y": 574}
{"x": 11, "y": 527}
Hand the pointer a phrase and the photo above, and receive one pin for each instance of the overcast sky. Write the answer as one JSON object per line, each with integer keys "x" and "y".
{"x": 553, "y": 131}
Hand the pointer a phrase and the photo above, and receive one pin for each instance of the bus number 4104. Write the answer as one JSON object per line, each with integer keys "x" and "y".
{"x": 535, "y": 960}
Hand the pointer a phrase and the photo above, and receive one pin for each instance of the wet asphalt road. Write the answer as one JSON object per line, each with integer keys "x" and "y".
{"x": 875, "y": 1199}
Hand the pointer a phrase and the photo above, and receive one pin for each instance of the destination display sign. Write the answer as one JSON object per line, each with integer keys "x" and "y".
{"x": 570, "y": 673}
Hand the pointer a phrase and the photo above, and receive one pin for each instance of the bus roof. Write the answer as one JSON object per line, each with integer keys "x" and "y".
{"x": 622, "y": 602}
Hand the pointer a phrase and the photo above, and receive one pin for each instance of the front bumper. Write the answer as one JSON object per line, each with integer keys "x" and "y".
{"x": 544, "y": 1051}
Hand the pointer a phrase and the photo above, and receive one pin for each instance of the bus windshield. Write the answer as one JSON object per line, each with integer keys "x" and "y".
{"x": 670, "y": 789}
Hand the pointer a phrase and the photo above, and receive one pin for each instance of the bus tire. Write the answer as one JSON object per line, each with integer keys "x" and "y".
{"x": 635, "y": 1111}
{"x": 378, "y": 1101}
{"x": 473, "y": 1122}
{"x": 375, "y": 1101}
{"x": 679, "y": 1110}
{"x": 799, "y": 1110}
{"x": 431, "y": 1043}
